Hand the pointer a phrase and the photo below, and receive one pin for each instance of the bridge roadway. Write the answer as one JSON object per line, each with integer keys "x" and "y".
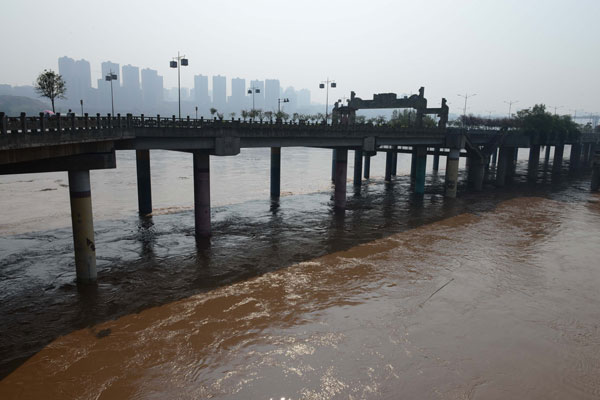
{"x": 80, "y": 144}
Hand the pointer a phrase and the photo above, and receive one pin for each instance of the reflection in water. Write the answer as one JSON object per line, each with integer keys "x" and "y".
{"x": 491, "y": 295}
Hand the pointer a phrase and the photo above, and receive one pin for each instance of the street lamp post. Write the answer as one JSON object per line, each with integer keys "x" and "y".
{"x": 252, "y": 91}
{"x": 279, "y": 101}
{"x": 177, "y": 62}
{"x": 466, "y": 97}
{"x": 510, "y": 103}
{"x": 325, "y": 85}
{"x": 110, "y": 78}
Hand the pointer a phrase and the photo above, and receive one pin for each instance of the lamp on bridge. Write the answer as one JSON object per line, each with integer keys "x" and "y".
{"x": 178, "y": 62}
{"x": 466, "y": 97}
{"x": 325, "y": 85}
{"x": 279, "y": 101}
{"x": 252, "y": 91}
{"x": 110, "y": 78}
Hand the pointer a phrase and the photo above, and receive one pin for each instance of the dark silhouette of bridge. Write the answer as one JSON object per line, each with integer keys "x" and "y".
{"x": 78, "y": 144}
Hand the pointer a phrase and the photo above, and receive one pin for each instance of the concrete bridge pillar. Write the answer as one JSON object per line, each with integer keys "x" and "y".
{"x": 547, "y": 155}
{"x": 358, "y": 158}
{"x": 476, "y": 173}
{"x": 275, "y": 172}
{"x": 595, "y": 171}
{"x": 533, "y": 162}
{"x": 452, "y": 172}
{"x": 575, "y": 156}
{"x": 367, "y": 166}
{"x": 558, "y": 158}
{"x": 436, "y": 159}
{"x": 144, "y": 186}
{"x": 341, "y": 173}
{"x": 333, "y": 154}
{"x": 486, "y": 169}
{"x": 83, "y": 225}
{"x": 394, "y": 160}
{"x": 505, "y": 156}
{"x": 511, "y": 169}
{"x": 389, "y": 163}
{"x": 413, "y": 165}
{"x": 202, "y": 193}
{"x": 586, "y": 154}
{"x": 420, "y": 169}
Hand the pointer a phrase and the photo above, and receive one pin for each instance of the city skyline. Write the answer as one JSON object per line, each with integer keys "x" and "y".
{"x": 532, "y": 51}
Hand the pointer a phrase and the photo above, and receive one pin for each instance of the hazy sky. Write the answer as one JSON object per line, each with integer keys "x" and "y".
{"x": 527, "y": 50}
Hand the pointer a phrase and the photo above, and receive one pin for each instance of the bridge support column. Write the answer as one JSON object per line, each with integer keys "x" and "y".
{"x": 486, "y": 169}
{"x": 574, "y": 157}
{"x": 594, "y": 147}
{"x": 333, "y": 155}
{"x": 533, "y": 163}
{"x": 358, "y": 158}
{"x": 144, "y": 185}
{"x": 452, "y": 172}
{"x": 275, "y": 172}
{"x": 511, "y": 170}
{"x": 83, "y": 226}
{"x": 389, "y": 162}
{"x": 558, "y": 158}
{"x": 595, "y": 171}
{"x": 413, "y": 165}
{"x": 494, "y": 156}
{"x": 586, "y": 154}
{"x": 394, "y": 160}
{"x": 367, "y": 166}
{"x": 202, "y": 194}
{"x": 436, "y": 159}
{"x": 420, "y": 169}
{"x": 341, "y": 174}
{"x": 477, "y": 172}
{"x": 547, "y": 155}
{"x": 504, "y": 157}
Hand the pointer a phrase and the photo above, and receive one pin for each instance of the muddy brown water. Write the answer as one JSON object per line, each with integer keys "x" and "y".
{"x": 491, "y": 296}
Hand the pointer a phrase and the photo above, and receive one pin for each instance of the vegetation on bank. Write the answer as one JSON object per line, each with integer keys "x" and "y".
{"x": 535, "y": 121}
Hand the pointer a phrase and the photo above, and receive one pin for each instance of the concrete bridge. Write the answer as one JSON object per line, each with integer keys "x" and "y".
{"x": 80, "y": 144}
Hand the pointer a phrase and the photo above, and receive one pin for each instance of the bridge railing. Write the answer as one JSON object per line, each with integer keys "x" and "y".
{"x": 70, "y": 123}
{"x": 58, "y": 123}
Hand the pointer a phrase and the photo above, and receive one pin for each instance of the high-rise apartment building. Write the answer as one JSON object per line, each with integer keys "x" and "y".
{"x": 259, "y": 98}
{"x": 78, "y": 79}
{"x": 292, "y": 96}
{"x": 131, "y": 92}
{"x": 219, "y": 91}
{"x": 201, "y": 96}
{"x": 303, "y": 98}
{"x": 271, "y": 94}
{"x": 237, "y": 101}
{"x": 152, "y": 87}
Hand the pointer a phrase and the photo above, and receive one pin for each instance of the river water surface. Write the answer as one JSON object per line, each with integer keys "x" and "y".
{"x": 493, "y": 295}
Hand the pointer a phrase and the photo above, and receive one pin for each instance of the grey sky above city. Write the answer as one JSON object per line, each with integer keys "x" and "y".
{"x": 530, "y": 51}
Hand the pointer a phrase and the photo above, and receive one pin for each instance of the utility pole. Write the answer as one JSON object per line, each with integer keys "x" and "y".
{"x": 466, "y": 97}
{"x": 510, "y": 103}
